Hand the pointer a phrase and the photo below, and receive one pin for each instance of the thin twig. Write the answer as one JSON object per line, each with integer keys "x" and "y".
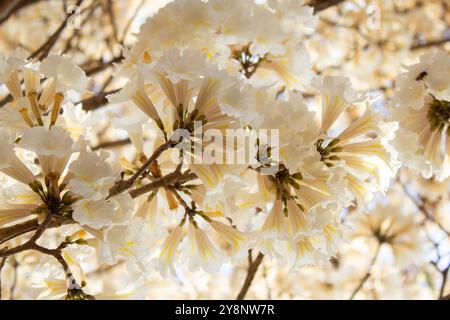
{"x": 444, "y": 281}
{"x": 429, "y": 44}
{"x": 16, "y": 230}
{"x": 252, "y": 269}
{"x": 112, "y": 19}
{"x": 111, "y": 144}
{"x": 367, "y": 274}
{"x": 422, "y": 208}
{"x": 29, "y": 244}
{"x": 96, "y": 101}
{"x": 128, "y": 25}
{"x": 13, "y": 7}
{"x": 320, "y": 5}
{"x": 124, "y": 185}
{"x": 168, "y": 180}
{"x": 45, "y": 48}
{"x": 2, "y": 264}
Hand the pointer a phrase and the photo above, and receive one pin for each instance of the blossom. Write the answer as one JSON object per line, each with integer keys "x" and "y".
{"x": 53, "y": 147}
{"x": 17, "y": 202}
{"x": 169, "y": 249}
{"x": 9, "y": 71}
{"x": 200, "y": 251}
{"x": 10, "y": 164}
{"x": 234, "y": 237}
{"x": 337, "y": 95}
{"x": 420, "y": 106}
{"x": 216, "y": 26}
{"x": 393, "y": 227}
{"x": 132, "y": 241}
{"x": 64, "y": 72}
{"x": 91, "y": 175}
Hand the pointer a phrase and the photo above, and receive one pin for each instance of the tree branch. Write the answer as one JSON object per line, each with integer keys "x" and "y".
{"x": 96, "y": 101}
{"x": 168, "y": 180}
{"x": 111, "y": 144}
{"x": 367, "y": 275}
{"x": 9, "y": 233}
{"x": 320, "y": 5}
{"x": 2, "y": 264}
{"x": 443, "y": 282}
{"x": 123, "y": 185}
{"x": 252, "y": 269}
{"x": 9, "y": 8}
{"x": 45, "y": 48}
{"x": 422, "y": 208}
{"x": 429, "y": 44}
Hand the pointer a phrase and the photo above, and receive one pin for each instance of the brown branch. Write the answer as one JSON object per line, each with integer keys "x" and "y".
{"x": 429, "y": 44}
{"x": 320, "y": 5}
{"x": 111, "y": 144}
{"x": 124, "y": 185}
{"x": 422, "y": 208}
{"x": 12, "y": 289}
{"x": 252, "y": 269}
{"x": 112, "y": 19}
{"x": 93, "y": 67}
{"x": 168, "y": 180}
{"x": 367, "y": 275}
{"x": 9, "y": 8}
{"x": 443, "y": 282}
{"x": 2, "y": 264}
{"x": 96, "y": 101}
{"x": 128, "y": 25}
{"x": 9, "y": 233}
{"x": 45, "y": 48}
{"x": 74, "y": 289}
{"x": 32, "y": 241}
{"x": 77, "y": 32}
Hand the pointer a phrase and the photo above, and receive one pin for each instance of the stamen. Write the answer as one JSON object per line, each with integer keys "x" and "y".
{"x": 13, "y": 85}
{"x": 59, "y": 97}
{"x": 26, "y": 117}
{"x": 32, "y": 81}
{"x": 47, "y": 94}
{"x": 438, "y": 114}
{"x": 32, "y": 96}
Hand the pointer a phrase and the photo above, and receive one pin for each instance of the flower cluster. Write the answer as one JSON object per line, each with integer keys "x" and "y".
{"x": 422, "y": 108}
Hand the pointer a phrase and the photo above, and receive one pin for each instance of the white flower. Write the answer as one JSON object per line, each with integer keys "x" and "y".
{"x": 16, "y": 203}
{"x": 102, "y": 213}
{"x": 422, "y": 108}
{"x": 182, "y": 65}
{"x": 337, "y": 95}
{"x": 292, "y": 68}
{"x": 132, "y": 241}
{"x": 135, "y": 90}
{"x": 133, "y": 126}
{"x": 234, "y": 237}
{"x": 53, "y": 147}
{"x": 76, "y": 121}
{"x": 9, "y": 71}
{"x": 200, "y": 252}
{"x": 95, "y": 214}
{"x": 91, "y": 175}
{"x": 11, "y": 119}
{"x": 10, "y": 164}
{"x": 169, "y": 250}
{"x": 66, "y": 74}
